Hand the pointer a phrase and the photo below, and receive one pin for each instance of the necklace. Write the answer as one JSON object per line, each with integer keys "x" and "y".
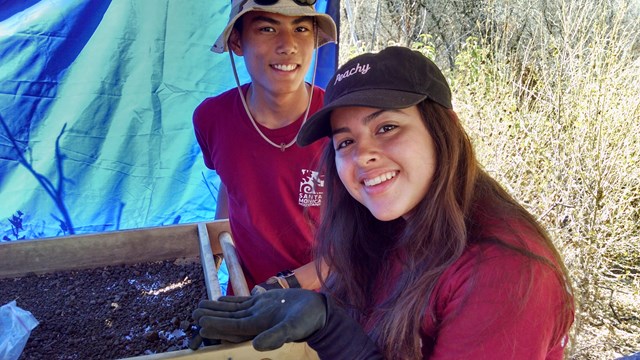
{"x": 282, "y": 146}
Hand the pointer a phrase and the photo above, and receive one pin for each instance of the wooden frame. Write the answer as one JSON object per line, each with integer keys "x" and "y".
{"x": 188, "y": 241}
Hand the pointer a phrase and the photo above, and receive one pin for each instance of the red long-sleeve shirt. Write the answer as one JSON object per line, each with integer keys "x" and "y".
{"x": 494, "y": 303}
{"x": 491, "y": 303}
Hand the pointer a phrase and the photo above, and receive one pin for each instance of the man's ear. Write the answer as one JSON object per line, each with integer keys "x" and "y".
{"x": 235, "y": 42}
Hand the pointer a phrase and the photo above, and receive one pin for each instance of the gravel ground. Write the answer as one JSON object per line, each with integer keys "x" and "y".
{"x": 111, "y": 312}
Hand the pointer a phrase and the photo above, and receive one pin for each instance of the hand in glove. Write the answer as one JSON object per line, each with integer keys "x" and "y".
{"x": 273, "y": 318}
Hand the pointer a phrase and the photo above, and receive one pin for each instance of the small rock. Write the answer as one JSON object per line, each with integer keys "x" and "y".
{"x": 185, "y": 325}
{"x": 151, "y": 336}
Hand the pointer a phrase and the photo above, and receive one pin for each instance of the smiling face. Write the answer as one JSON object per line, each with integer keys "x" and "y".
{"x": 277, "y": 50}
{"x": 385, "y": 158}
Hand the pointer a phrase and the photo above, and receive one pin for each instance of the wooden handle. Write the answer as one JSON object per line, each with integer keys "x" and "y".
{"x": 236, "y": 276}
{"x": 208, "y": 264}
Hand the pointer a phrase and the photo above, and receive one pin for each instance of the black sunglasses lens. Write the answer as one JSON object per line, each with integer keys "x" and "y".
{"x": 305, "y": 2}
{"x": 265, "y": 2}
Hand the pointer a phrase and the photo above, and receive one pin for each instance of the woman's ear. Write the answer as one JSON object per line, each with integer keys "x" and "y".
{"x": 235, "y": 42}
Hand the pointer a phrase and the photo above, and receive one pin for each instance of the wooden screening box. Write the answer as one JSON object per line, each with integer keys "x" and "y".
{"x": 189, "y": 241}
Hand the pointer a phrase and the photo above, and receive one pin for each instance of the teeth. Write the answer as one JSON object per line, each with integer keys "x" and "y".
{"x": 284, "y": 67}
{"x": 379, "y": 179}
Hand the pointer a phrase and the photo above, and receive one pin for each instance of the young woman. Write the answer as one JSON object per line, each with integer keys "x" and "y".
{"x": 428, "y": 257}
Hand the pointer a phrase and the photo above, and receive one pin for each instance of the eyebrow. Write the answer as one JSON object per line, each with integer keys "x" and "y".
{"x": 366, "y": 120}
{"x": 273, "y": 21}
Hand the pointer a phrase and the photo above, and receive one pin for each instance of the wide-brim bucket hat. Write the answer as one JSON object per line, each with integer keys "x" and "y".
{"x": 326, "y": 26}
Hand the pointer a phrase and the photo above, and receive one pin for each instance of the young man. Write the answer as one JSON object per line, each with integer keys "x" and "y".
{"x": 270, "y": 190}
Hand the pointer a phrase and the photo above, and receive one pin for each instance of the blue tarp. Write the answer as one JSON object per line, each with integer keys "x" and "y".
{"x": 96, "y": 99}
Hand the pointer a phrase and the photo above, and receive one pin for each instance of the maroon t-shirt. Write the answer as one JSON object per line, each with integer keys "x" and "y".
{"x": 269, "y": 189}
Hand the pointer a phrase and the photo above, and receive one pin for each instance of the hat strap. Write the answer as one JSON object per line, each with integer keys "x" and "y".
{"x": 282, "y": 146}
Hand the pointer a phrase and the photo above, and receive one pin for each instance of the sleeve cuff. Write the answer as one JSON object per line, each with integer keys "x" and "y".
{"x": 342, "y": 337}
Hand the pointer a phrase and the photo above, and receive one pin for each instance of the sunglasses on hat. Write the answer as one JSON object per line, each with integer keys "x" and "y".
{"x": 299, "y": 2}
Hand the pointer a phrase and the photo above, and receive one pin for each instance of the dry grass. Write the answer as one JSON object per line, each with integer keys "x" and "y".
{"x": 558, "y": 122}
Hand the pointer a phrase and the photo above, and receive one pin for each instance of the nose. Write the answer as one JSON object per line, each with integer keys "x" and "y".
{"x": 367, "y": 153}
{"x": 287, "y": 43}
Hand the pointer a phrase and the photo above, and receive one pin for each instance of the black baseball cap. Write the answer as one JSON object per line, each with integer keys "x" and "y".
{"x": 394, "y": 78}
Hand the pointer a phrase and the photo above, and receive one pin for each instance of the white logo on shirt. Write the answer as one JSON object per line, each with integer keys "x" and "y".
{"x": 311, "y": 188}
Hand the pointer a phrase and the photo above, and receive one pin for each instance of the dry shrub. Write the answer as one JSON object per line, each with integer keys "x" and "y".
{"x": 557, "y": 121}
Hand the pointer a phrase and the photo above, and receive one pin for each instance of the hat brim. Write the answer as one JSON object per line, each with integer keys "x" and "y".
{"x": 319, "y": 124}
{"x": 326, "y": 26}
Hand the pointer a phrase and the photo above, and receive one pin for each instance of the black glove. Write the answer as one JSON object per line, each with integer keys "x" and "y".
{"x": 273, "y": 318}
{"x": 197, "y": 340}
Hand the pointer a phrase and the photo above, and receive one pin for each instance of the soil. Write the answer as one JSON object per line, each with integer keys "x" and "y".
{"x": 109, "y": 313}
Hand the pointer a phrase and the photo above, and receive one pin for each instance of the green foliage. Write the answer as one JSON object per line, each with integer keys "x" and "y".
{"x": 471, "y": 61}
{"x": 424, "y": 44}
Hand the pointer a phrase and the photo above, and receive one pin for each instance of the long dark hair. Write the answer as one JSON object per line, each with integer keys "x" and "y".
{"x": 358, "y": 248}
